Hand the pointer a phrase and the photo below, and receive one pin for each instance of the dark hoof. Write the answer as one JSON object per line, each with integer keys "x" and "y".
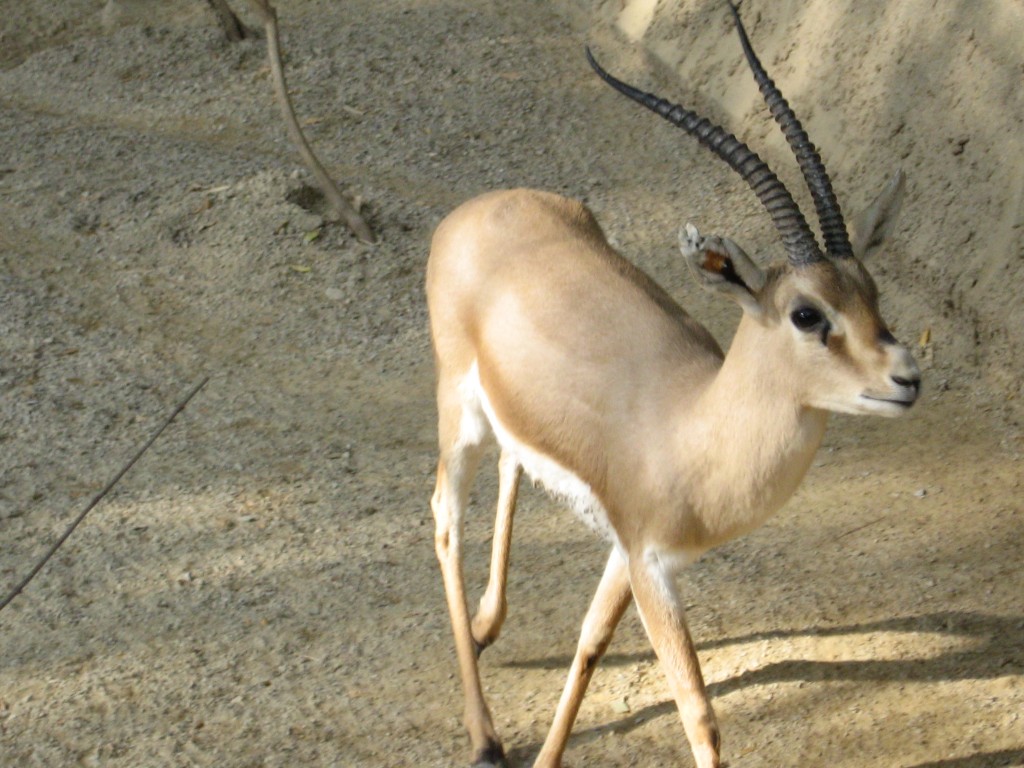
{"x": 493, "y": 756}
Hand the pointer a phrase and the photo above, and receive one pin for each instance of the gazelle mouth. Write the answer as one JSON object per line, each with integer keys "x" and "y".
{"x": 900, "y": 403}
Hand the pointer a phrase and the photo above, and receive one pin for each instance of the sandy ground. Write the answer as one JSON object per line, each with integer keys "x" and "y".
{"x": 262, "y": 589}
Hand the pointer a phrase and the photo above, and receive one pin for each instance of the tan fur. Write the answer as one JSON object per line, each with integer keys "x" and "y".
{"x": 585, "y": 361}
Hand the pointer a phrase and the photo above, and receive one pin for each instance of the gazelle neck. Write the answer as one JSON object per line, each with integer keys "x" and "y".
{"x": 755, "y": 437}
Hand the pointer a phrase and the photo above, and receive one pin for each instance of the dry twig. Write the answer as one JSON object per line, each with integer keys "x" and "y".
{"x": 341, "y": 207}
{"x": 99, "y": 496}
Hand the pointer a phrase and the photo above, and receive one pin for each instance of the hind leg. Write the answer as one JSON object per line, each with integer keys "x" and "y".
{"x": 455, "y": 473}
{"x": 490, "y": 615}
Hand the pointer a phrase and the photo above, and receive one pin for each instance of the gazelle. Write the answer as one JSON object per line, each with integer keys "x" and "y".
{"x": 597, "y": 384}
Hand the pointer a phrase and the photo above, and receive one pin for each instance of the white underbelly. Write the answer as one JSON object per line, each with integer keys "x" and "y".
{"x": 560, "y": 482}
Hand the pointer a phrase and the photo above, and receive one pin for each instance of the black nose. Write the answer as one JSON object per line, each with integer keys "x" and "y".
{"x": 914, "y": 383}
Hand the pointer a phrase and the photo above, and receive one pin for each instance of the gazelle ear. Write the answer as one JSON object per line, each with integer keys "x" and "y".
{"x": 721, "y": 265}
{"x": 872, "y": 226}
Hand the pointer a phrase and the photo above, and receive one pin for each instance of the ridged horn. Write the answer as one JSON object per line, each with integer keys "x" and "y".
{"x": 801, "y": 247}
{"x": 830, "y": 215}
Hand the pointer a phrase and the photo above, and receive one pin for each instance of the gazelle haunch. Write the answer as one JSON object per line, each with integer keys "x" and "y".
{"x": 598, "y": 385}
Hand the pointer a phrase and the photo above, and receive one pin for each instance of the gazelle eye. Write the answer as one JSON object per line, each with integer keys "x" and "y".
{"x": 806, "y": 318}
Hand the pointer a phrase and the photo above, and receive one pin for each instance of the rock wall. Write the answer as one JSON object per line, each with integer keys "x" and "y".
{"x": 932, "y": 86}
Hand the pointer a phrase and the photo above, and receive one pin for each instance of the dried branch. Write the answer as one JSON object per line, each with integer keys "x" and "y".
{"x": 341, "y": 207}
{"x": 99, "y": 496}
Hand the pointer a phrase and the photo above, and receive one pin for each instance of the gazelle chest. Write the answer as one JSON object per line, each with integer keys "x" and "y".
{"x": 740, "y": 474}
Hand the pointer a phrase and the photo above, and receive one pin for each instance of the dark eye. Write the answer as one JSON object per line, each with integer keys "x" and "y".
{"x": 806, "y": 318}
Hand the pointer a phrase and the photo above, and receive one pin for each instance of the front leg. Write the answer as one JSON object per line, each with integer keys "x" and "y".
{"x": 662, "y": 614}
{"x": 606, "y": 609}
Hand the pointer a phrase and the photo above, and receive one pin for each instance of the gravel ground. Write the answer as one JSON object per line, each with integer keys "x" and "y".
{"x": 261, "y": 590}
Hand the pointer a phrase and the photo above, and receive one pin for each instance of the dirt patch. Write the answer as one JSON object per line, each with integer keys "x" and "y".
{"x": 262, "y": 589}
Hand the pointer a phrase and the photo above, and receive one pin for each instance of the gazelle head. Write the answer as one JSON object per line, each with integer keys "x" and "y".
{"x": 818, "y": 313}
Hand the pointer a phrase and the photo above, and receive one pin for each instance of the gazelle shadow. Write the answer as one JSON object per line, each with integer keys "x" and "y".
{"x": 997, "y": 651}
{"x": 1005, "y": 758}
